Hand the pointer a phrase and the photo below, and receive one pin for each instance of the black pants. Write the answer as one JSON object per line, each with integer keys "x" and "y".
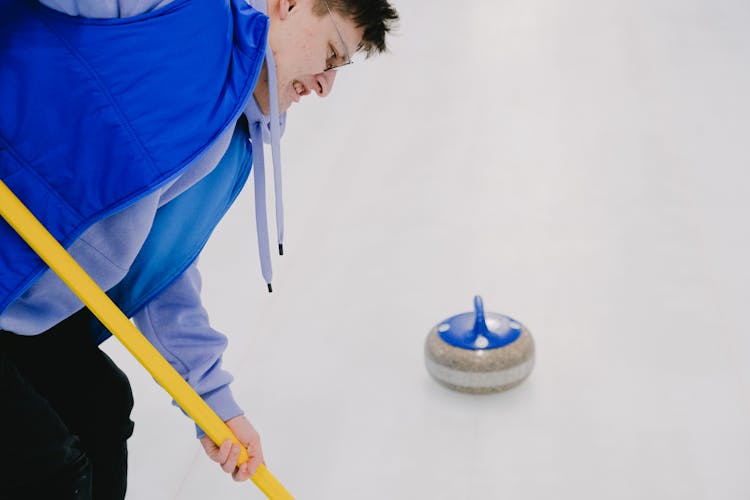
{"x": 65, "y": 416}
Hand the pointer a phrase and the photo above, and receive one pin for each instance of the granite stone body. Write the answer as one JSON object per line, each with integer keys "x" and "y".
{"x": 479, "y": 371}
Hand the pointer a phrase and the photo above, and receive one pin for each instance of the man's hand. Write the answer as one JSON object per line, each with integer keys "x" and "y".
{"x": 226, "y": 455}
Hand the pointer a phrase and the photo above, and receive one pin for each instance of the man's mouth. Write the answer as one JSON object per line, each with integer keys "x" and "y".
{"x": 299, "y": 89}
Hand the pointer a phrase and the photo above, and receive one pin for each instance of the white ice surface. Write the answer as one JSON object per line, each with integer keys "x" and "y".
{"x": 584, "y": 166}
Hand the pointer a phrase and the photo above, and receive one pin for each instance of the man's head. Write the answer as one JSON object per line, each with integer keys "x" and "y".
{"x": 309, "y": 38}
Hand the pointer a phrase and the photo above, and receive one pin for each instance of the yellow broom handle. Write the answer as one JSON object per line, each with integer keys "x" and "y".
{"x": 60, "y": 261}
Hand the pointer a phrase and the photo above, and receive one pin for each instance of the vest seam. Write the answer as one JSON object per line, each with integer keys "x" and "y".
{"x": 24, "y": 164}
{"x": 124, "y": 122}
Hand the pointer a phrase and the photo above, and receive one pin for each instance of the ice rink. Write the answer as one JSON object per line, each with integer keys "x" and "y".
{"x": 582, "y": 165}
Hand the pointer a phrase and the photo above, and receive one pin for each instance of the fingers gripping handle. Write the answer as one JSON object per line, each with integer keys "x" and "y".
{"x": 60, "y": 261}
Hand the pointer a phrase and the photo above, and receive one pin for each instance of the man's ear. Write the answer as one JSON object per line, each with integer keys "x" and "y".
{"x": 285, "y": 7}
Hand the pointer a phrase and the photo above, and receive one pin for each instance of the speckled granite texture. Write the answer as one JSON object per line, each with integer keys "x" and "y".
{"x": 479, "y": 371}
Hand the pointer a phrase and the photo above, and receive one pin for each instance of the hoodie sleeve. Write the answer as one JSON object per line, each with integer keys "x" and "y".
{"x": 176, "y": 323}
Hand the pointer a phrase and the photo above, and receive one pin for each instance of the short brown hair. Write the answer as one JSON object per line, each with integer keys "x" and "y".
{"x": 376, "y": 17}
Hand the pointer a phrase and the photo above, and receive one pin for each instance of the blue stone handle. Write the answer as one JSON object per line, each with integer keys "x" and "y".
{"x": 466, "y": 332}
{"x": 480, "y": 325}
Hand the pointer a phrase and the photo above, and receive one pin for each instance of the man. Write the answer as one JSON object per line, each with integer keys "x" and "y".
{"x": 123, "y": 137}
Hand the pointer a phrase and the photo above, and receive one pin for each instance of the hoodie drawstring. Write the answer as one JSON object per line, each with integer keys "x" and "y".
{"x": 261, "y": 218}
{"x": 267, "y": 129}
{"x": 275, "y": 147}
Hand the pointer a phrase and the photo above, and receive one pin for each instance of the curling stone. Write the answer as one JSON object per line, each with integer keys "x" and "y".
{"x": 478, "y": 352}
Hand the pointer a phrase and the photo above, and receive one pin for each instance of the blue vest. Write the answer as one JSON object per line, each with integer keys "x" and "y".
{"x": 97, "y": 113}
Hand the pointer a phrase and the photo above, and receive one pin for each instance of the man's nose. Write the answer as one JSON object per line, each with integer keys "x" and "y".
{"x": 324, "y": 82}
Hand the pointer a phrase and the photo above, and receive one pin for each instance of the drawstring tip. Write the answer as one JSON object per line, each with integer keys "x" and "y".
{"x": 269, "y": 288}
{"x": 281, "y": 249}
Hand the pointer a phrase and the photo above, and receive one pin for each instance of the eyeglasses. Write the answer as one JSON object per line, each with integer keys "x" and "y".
{"x": 347, "y": 58}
